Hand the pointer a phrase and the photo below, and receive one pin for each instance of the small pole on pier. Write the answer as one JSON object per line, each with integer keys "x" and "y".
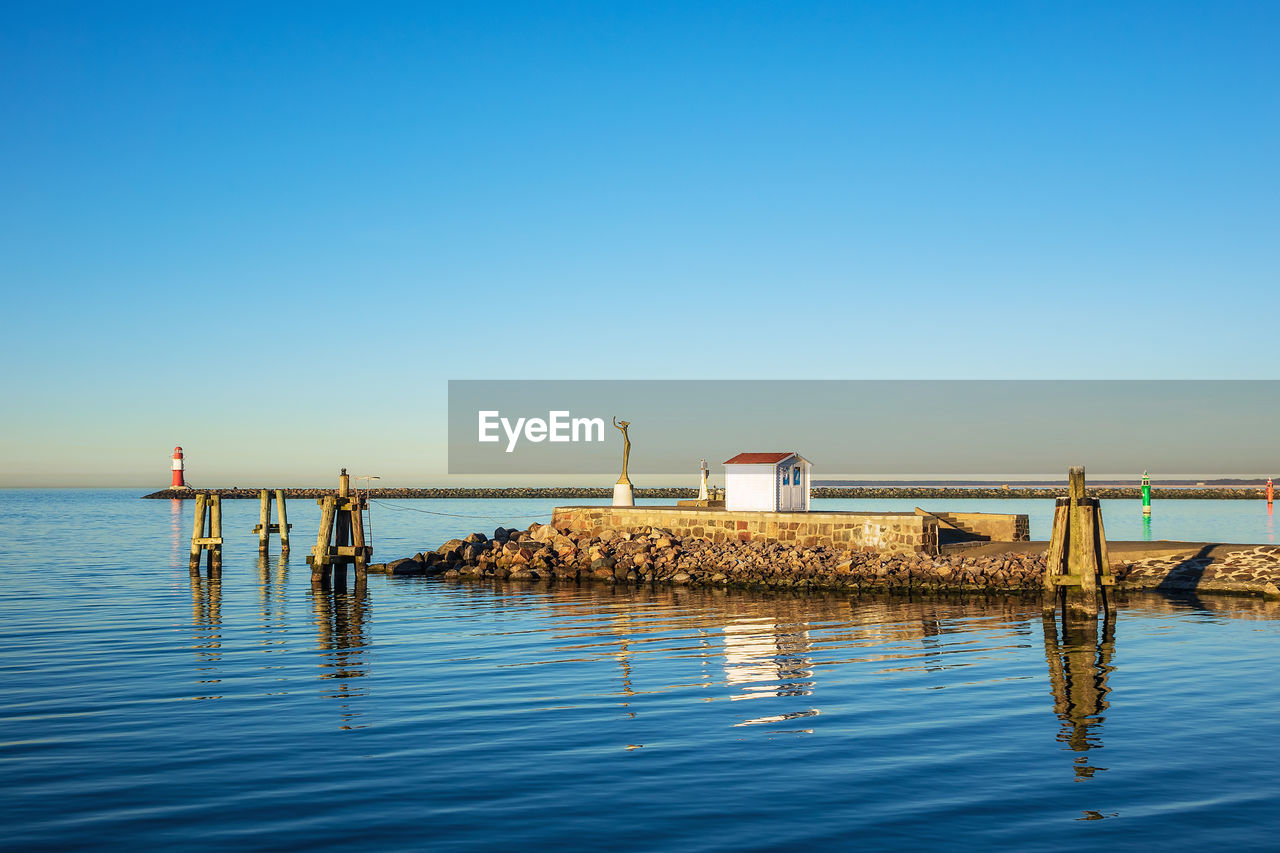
{"x": 208, "y": 514}
{"x": 264, "y": 528}
{"x": 340, "y": 539}
{"x": 1146, "y": 494}
{"x": 1077, "y": 566}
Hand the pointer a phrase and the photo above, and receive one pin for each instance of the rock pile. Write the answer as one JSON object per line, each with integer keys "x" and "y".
{"x": 652, "y": 555}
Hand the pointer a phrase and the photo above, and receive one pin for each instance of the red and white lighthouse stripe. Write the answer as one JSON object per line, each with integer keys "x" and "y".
{"x": 178, "y": 481}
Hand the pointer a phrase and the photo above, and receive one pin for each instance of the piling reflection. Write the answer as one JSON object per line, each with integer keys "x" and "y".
{"x": 271, "y": 595}
{"x": 341, "y": 616}
{"x": 206, "y": 622}
{"x": 1078, "y": 649}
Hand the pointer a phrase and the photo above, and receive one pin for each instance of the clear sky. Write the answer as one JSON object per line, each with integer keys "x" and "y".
{"x": 271, "y": 232}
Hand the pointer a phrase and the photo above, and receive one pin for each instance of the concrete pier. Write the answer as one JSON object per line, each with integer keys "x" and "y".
{"x": 885, "y": 532}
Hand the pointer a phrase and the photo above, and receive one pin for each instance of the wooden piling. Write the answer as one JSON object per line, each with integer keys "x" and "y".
{"x": 264, "y": 528}
{"x": 340, "y": 539}
{"x": 284, "y": 522}
{"x": 197, "y": 532}
{"x": 1077, "y": 568}
{"x": 264, "y": 521}
{"x": 206, "y": 534}
{"x": 320, "y": 554}
{"x": 215, "y": 531}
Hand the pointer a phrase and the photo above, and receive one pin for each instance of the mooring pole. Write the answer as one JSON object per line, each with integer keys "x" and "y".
{"x": 264, "y": 521}
{"x": 284, "y": 522}
{"x": 1077, "y": 564}
{"x": 265, "y": 528}
{"x": 197, "y": 532}
{"x": 215, "y": 533}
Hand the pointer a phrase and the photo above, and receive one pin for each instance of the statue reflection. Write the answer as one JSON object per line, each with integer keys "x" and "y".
{"x": 206, "y": 622}
{"x": 340, "y": 617}
{"x": 624, "y": 661}
{"x": 1079, "y": 661}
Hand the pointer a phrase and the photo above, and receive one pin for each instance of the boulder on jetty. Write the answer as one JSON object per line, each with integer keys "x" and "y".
{"x": 653, "y": 555}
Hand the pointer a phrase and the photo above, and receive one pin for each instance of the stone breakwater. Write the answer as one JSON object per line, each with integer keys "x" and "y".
{"x": 925, "y": 493}
{"x": 656, "y": 556}
{"x": 556, "y": 493}
{"x": 919, "y": 493}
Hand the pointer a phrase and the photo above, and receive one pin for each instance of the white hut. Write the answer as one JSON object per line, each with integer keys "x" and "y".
{"x": 767, "y": 482}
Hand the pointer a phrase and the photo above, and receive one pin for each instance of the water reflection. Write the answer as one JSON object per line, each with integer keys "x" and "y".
{"x": 771, "y": 649}
{"x": 206, "y": 621}
{"x": 1078, "y": 650}
{"x": 766, "y": 658}
{"x": 341, "y": 616}
{"x": 175, "y": 530}
{"x": 1146, "y": 528}
{"x": 271, "y": 593}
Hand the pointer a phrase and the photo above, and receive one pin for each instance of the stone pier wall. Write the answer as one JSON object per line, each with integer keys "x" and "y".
{"x": 885, "y": 532}
{"x": 996, "y": 526}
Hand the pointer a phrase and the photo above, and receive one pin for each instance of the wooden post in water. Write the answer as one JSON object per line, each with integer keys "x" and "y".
{"x": 284, "y": 522}
{"x": 197, "y": 532}
{"x": 208, "y": 513}
{"x": 340, "y": 539}
{"x": 1077, "y": 567}
{"x": 215, "y": 531}
{"x": 264, "y": 528}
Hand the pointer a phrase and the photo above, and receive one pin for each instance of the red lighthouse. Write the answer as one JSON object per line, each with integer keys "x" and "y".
{"x": 178, "y": 481}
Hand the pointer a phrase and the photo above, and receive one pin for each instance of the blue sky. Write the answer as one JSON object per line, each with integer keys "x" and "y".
{"x": 272, "y": 232}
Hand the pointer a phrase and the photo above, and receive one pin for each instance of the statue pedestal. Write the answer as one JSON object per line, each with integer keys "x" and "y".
{"x": 622, "y": 495}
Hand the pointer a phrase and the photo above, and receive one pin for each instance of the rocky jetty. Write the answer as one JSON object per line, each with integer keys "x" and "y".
{"x": 648, "y": 555}
{"x": 515, "y": 493}
{"x": 926, "y": 493}
{"x": 916, "y": 493}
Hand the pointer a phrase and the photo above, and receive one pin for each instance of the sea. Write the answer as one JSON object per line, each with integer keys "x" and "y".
{"x": 145, "y": 708}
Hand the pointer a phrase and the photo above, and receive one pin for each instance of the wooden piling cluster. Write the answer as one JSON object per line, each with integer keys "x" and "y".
{"x": 264, "y": 528}
{"x": 1077, "y": 569}
{"x": 340, "y": 540}
{"x": 206, "y": 535}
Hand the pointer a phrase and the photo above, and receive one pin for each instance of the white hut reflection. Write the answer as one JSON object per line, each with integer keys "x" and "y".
{"x": 765, "y": 659}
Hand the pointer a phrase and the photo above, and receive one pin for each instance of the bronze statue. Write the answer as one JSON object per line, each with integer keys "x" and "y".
{"x": 626, "y": 449}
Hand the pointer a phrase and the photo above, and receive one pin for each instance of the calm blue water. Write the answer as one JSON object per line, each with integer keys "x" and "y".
{"x": 146, "y": 709}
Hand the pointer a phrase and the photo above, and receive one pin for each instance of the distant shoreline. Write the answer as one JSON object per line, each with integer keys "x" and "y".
{"x": 1011, "y": 492}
